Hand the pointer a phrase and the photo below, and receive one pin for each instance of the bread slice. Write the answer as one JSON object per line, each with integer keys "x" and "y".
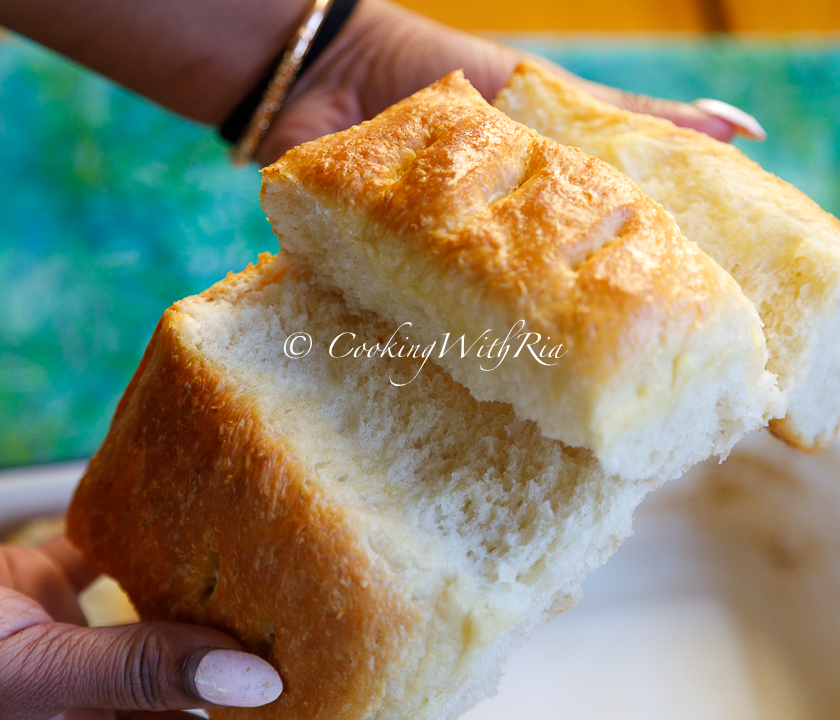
{"x": 384, "y": 546}
{"x": 780, "y": 246}
{"x": 444, "y": 214}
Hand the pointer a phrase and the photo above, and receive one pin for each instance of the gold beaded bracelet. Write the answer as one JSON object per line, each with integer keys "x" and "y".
{"x": 285, "y": 74}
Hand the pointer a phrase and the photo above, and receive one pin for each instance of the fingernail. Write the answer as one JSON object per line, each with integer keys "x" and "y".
{"x": 744, "y": 123}
{"x": 236, "y": 679}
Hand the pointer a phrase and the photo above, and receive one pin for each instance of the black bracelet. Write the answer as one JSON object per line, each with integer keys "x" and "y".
{"x": 235, "y": 123}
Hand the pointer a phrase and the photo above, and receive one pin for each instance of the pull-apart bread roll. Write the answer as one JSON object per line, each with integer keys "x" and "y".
{"x": 384, "y": 547}
{"x": 444, "y": 213}
{"x": 780, "y": 246}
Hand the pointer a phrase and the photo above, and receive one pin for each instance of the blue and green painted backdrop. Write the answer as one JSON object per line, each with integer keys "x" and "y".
{"x": 111, "y": 208}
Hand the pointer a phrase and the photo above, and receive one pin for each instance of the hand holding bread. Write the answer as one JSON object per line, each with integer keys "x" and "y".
{"x": 386, "y": 544}
{"x": 200, "y": 62}
{"x": 383, "y": 530}
{"x": 50, "y": 662}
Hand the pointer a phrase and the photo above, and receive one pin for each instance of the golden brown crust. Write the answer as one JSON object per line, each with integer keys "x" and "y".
{"x": 561, "y": 239}
{"x": 188, "y": 475}
{"x": 781, "y": 428}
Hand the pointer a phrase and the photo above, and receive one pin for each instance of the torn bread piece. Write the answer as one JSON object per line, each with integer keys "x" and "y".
{"x": 384, "y": 547}
{"x": 444, "y": 213}
{"x": 780, "y": 246}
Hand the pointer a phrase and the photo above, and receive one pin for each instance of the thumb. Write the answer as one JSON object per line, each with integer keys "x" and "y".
{"x": 48, "y": 668}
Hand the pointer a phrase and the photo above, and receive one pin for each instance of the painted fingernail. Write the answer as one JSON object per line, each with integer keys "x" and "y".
{"x": 236, "y": 679}
{"x": 744, "y": 123}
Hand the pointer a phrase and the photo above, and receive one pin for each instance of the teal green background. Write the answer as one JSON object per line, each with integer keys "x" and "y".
{"x": 112, "y": 208}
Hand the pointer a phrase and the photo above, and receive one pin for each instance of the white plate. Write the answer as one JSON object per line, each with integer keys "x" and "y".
{"x": 724, "y": 605}
{"x": 38, "y": 490}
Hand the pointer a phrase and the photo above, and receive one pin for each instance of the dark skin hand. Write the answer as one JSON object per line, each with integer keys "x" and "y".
{"x": 50, "y": 661}
{"x": 385, "y": 53}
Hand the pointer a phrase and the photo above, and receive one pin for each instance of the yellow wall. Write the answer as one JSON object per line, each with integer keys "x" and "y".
{"x": 633, "y": 15}
{"x": 774, "y": 15}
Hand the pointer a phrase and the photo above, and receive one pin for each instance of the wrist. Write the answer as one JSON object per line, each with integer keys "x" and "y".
{"x": 245, "y": 127}
{"x": 329, "y": 86}
{"x": 383, "y": 54}
{"x": 263, "y": 49}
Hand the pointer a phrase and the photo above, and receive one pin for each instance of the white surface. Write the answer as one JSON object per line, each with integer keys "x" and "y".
{"x": 724, "y": 605}
{"x": 675, "y": 658}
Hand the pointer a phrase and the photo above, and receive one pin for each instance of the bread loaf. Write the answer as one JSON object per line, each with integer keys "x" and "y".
{"x": 444, "y": 213}
{"x": 780, "y": 246}
{"x": 384, "y": 547}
